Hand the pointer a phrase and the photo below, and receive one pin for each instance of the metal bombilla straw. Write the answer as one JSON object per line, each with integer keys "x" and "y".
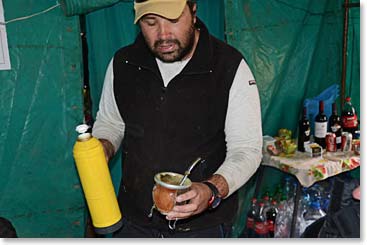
{"x": 182, "y": 181}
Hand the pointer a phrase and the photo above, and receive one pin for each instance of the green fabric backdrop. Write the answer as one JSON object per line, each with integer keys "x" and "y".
{"x": 295, "y": 52}
{"x": 40, "y": 105}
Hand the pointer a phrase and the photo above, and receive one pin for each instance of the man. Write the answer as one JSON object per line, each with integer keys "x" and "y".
{"x": 176, "y": 94}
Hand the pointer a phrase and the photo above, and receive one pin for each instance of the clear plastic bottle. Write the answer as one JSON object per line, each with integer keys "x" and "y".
{"x": 290, "y": 192}
{"x": 288, "y": 188}
{"x": 315, "y": 192}
{"x": 303, "y": 204}
{"x": 283, "y": 219}
{"x": 313, "y": 212}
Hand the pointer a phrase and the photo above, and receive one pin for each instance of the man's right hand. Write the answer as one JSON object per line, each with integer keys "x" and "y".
{"x": 108, "y": 148}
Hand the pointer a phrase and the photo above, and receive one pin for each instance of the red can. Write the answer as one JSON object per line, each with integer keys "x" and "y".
{"x": 330, "y": 142}
{"x": 346, "y": 141}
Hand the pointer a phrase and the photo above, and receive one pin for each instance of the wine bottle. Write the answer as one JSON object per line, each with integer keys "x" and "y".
{"x": 335, "y": 125}
{"x": 321, "y": 126}
{"x": 303, "y": 131}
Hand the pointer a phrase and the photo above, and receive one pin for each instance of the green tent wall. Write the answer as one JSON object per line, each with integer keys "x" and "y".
{"x": 293, "y": 47}
{"x": 40, "y": 105}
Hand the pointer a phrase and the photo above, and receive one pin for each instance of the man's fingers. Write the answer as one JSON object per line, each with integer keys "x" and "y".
{"x": 182, "y": 211}
{"x": 186, "y": 196}
{"x": 187, "y": 208}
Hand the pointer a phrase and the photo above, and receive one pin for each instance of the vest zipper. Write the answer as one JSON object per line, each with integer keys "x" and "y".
{"x": 158, "y": 75}
{"x": 143, "y": 67}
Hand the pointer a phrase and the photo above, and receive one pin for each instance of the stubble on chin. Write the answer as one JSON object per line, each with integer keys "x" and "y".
{"x": 180, "y": 52}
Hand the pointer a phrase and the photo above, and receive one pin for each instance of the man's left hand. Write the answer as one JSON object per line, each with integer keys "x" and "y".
{"x": 197, "y": 197}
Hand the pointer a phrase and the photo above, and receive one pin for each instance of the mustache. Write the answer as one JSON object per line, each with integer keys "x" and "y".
{"x": 166, "y": 42}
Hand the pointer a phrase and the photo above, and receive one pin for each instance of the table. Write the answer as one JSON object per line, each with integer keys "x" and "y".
{"x": 309, "y": 170}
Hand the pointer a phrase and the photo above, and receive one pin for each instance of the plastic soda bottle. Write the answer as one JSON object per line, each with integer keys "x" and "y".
{"x": 349, "y": 117}
{"x": 271, "y": 215}
{"x": 314, "y": 212}
{"x": 250, "y": 222}
{"x": 261, "y": 228}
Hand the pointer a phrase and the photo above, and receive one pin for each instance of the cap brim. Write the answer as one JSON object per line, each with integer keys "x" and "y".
{"x": 167, "y": 9}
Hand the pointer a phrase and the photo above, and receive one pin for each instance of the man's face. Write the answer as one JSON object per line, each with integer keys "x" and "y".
{"x": 169, "y": 40}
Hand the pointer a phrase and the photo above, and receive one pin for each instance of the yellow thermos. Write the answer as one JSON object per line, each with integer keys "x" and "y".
{"x": 96, "y": 182}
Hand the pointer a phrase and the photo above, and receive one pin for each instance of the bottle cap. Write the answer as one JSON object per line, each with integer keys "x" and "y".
{"x": 82, "y": 128}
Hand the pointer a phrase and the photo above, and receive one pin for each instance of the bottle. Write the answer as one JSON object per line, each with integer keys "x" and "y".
{"x": 266, "y": 201}
{"x": 250, "y": 222}
{"x": 349, "y": 118}
{"x": 289, "y": 188}
{"x": 271, "y": 215}
{"x": 335, "y": 125}
{"x": 303, "y": 204}
{"x": 96, "y": 182}
{"x": 305, "y": 200}
{"x": 277, "y": 195}
{"x": 321, "y": 126}
{"x": 283, "y": 220}
{"x": 303, "y": 131}
{"x": 261, "y": 227}
{"x": 314, "y": 212}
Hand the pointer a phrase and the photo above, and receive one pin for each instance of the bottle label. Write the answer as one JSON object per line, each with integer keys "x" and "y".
{"x": 250, "y": 223}
{"x": 350, "y": 122}
{"x": 271, "y": 225}
{"x": 307, "y": 132}
{"x": 339, "y": 140}
{"x": 320, "y": 129}
{"x": 261, "y": 228}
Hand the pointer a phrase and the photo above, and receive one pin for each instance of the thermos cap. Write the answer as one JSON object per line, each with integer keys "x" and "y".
{"x": 82, "y": 128}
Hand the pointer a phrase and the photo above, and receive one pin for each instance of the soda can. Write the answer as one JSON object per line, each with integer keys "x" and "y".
{"x": 330, "y": 142}
{"x": 346, "y": 141}
{"x": 356, "y": 146}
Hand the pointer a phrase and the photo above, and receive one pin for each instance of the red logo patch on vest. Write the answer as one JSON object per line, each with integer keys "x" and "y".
{"x": 252, "y": 82}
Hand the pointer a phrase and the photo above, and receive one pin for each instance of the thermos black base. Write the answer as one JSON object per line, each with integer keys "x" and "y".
{"x": 108, "y": 229}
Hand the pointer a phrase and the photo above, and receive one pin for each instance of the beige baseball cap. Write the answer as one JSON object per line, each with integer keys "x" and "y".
{"x": 170, "y": 9}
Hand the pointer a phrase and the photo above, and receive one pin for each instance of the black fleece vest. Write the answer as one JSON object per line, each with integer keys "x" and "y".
{"x": 169, "y": 127}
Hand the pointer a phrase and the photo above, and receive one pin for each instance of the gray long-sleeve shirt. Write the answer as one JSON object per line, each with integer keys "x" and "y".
{"x": 242, "y": 125}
